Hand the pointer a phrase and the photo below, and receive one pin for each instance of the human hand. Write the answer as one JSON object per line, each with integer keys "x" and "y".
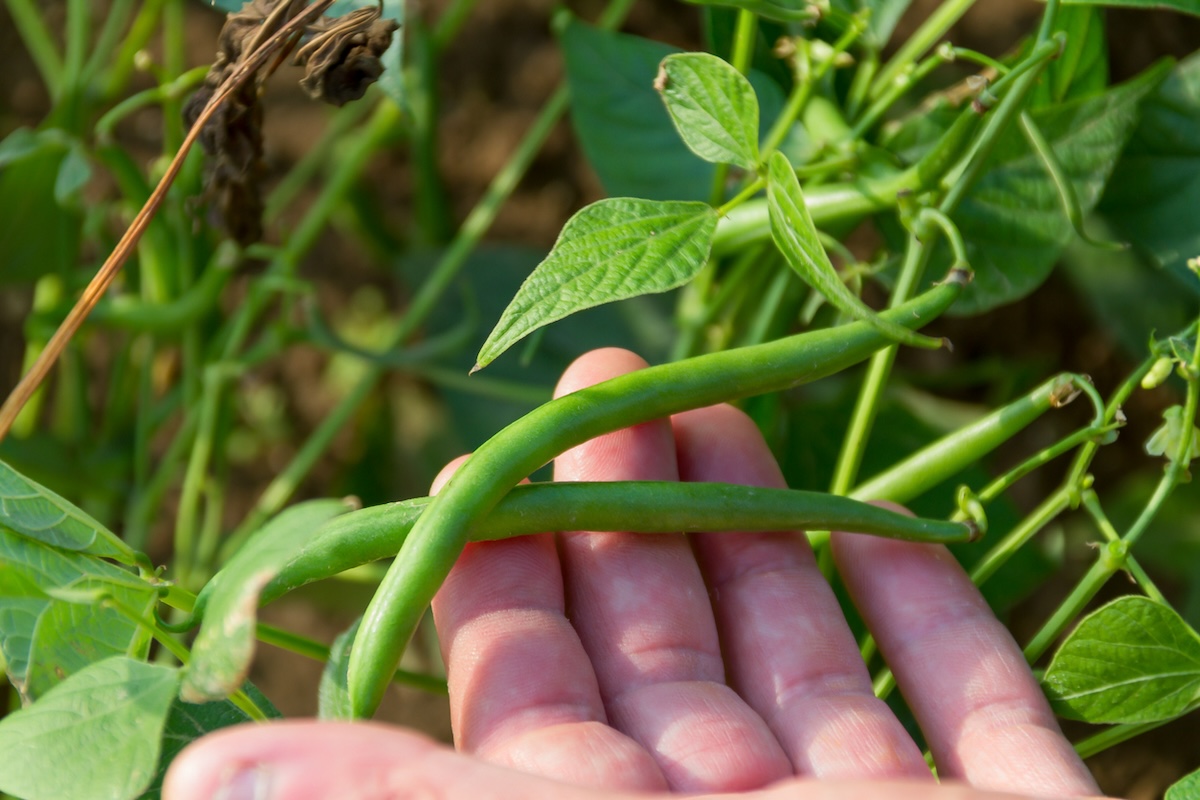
{"x": 601, "y": 664}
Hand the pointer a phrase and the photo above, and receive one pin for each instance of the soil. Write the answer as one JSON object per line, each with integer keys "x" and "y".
{"x": 494, "y": 79}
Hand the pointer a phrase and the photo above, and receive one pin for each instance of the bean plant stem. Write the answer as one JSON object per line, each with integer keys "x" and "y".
{"x": 744, "y": 36}
{"x": 932, "y": 29}
{"x": 38, "y": 40}
{"x": 440, "y": 279}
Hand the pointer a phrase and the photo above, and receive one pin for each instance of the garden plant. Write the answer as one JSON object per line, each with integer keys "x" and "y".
{"x": 794, "y": 220}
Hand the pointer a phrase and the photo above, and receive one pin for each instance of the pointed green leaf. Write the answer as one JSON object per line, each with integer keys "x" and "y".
{"x": 796, "y": 237}
{"x": 1186, "y": 788}
{"x": 333, "y": 694}
{"x": 625, "y": 132}
{"x": 45, "y": 639}
{"x": 1133, "y": 660}
{"x": 224, "y": 647}
{"x": 95, "y": 736}
{"x": 33, "y": 510}
{"x": 611, "y": 250}
{"x": 713, "y": 107}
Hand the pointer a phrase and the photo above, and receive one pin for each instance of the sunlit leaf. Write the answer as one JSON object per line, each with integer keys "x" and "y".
{"x": 611, "y": 250}
{"x": 95, "y": 736}
{"x": 33, "y": 510}
{"x": 882, "y": 20}
{"x": 46, "y": 639}
{"x": 713, "y": 107}
{"x": 779, "y": 10}
{"x": 1133, "y": 660}
{"x": 1186, "y": 788}
{"x": 796, "y": 237}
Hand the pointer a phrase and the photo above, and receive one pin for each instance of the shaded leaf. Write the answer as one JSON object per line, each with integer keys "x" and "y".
{"x": 187, "y": 722}
{"x": 1012, "y": 219}
{"x": 1155, "y": 188}
{"x": 1133, "y": 660}
{"x": 224, "y": 647}
{"x": 713, "y": 107}
{"x": 95, "y": 736}
{"x": 796, "y": 237}
{"x": 38, "y": 235}
{"x": 611, "y": 250}
{"x": 333, "y": 693}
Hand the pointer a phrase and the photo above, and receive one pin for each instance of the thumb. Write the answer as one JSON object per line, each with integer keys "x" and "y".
{"x": 308, "y": 760}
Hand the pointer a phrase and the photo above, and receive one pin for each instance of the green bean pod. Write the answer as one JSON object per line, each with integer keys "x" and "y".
{"x": 370, "y": 534}
{"x": 438, "y": 537}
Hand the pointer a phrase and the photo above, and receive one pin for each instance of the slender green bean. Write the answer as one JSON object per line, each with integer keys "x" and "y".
{"x": 499, "y": 464}
{"x": 378, "y": 532}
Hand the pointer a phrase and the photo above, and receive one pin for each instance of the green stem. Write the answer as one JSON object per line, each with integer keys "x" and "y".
{"x": 1111, "y": 560}
{"x": 115, "y": 21}
{"x": 450, "y": 22}
{"x": 1099, "y": 742}
{"x": 500, "y": 463}
{"x": 925, "y": 37}
{"x": 744, "y": 36}
{"x": 453, "y": 260}
{"x": 36, "y": 37}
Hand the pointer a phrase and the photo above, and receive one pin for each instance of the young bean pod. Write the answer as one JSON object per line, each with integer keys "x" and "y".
{"x": 370, "y": 534}
{"x": 439, "y": 536}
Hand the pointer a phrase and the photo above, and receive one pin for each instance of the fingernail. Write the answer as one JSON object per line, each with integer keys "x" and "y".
{"x": 248, "y": 783}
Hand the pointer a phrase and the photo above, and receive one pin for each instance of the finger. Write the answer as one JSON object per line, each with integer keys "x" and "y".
{"x": 522, "y": 691}
{"x": 325, "y": 760}
{"x": 965, "y": 679}
{"x": 643, "y": 615}
{"x": 787, "y": 646}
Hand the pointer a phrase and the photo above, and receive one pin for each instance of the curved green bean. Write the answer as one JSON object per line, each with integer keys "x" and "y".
{"x": 648, "y": 507}
{"x": 439, "y": 536}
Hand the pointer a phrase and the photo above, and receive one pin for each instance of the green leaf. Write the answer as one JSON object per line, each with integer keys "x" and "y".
{"x": 74, "y": 172}
{"x": 1012, "y": 220}
{"x": 224, "y": 647}
{"x": 619, "y": 119}
{"x": 1186, "y": 6}
{"x": 187, "y": 722}
{"x": 45, "y": 639}
{"x": 33, "y": 510}
{"x": 628, "y": 138}
{"x": 1131, "y": 661}
{"x": 1168, "y": 438}
{"x": 778, "y": 10}
{"x": 713, "y": 107}
{"x": 333, "y": 694}
{"x": 1186, "y": 788}
{"x": 796, "y": 237}
{"x": 1155, "y": 189}
{"x": 95, "y": 736}
{"x": 611, "y": 250}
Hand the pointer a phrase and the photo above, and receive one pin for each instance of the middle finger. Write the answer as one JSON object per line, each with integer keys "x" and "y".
{"x": 642, "y": 612}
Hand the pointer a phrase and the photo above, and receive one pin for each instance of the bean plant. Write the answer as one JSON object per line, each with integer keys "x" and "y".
{"x": 811, "y": 191}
